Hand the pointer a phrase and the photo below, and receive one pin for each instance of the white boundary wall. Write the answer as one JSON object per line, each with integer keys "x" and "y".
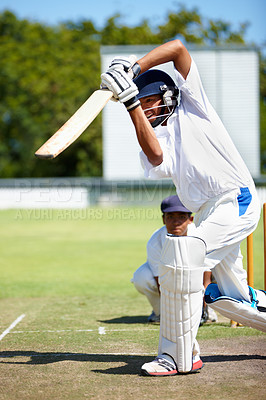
{"x": 77, "y": 198}
{"x": 84, "y": 193}
{"x": 46, "y": 197}
{"x": 50, "y": 193}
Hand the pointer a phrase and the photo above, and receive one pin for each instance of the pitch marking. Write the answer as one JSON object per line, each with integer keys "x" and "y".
{"x": 20, "y": 318}
{"x": 101, "y": 330}
{"x": 55, "y": 355}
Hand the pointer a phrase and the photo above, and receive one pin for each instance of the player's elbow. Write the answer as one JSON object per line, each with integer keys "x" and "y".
{"x": 156, "y": 159}
{"x": 176, "y": 48}
{"x": 177, "y": 43}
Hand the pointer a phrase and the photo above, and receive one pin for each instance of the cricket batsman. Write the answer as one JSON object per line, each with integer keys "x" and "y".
{"x": 183, "y": 138}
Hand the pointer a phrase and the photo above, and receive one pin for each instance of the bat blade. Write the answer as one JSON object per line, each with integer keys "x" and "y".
{"x": 75, "y": 126}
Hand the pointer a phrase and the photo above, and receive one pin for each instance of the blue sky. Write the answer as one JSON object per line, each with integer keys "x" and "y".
{"x": 134, "y": 11}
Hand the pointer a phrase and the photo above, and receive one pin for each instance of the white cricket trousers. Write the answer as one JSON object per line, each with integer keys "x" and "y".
{"x": 146, "y": 284}
{"x": 220, "y": 225}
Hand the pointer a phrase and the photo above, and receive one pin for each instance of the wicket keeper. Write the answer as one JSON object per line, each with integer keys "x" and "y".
{"x": 178, "y": 220}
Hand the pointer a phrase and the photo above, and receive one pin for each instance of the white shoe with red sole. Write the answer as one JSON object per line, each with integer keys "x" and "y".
{"x": 164, "y": 365}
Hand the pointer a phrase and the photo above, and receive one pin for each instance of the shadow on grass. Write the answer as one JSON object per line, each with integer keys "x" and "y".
{"x": 142, "y": 319}
{"x": 132, "y": 367}
{"x": 136, "y": 319}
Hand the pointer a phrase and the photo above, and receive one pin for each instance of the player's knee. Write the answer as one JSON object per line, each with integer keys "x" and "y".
{"x": 143, "y": 278}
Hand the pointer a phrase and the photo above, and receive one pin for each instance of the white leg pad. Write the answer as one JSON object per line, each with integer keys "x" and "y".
{"x": 181, "y": 284}
{"x": 239, "y": 310}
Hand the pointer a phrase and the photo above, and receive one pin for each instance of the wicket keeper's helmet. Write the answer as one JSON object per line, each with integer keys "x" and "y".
{"x": 153, "y": 82}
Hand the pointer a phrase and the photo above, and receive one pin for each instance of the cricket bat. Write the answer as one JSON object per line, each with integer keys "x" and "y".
{"x": 75, "y": 126}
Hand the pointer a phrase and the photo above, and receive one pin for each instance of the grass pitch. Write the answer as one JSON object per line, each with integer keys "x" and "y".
{"x": 84, "y": 333}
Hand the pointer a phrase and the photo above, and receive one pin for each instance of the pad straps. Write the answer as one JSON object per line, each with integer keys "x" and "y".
{"x": 253, "y": 297}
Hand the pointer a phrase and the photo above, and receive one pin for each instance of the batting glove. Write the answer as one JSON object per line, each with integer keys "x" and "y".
{"x": 129, "y": 65}
{"x": 123, "y": 88}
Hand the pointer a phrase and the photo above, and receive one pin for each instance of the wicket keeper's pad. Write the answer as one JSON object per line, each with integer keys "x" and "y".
{"x": 181, "y": 285}
{"x": 238, "y": 310}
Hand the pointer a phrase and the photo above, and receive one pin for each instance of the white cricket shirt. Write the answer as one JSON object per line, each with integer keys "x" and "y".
{"x": 198, "y": 153}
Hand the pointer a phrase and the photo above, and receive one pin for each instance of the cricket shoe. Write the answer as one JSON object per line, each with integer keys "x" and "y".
{"x": 261, "y": 300}
{"x": 153, "y": 317}
{"x": 212, "y": 316}
{"x": 164, "y": 365}
{"x": 204, "y": 315}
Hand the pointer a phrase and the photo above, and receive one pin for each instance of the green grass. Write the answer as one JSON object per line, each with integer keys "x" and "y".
{"x": 69, "y": 272}
{"x": 73, "y": 252}
{"x": 62, "y": 255}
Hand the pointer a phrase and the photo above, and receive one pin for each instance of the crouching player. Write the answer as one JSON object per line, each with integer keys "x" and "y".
{"x": 177, "y": 221}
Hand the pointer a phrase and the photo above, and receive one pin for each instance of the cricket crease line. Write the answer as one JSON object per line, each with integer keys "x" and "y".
{"x": 55, "y": 331}
{"x": 101, "y": 330}
{"x": 20, "y": 318}
{"x": 51, "y": 355}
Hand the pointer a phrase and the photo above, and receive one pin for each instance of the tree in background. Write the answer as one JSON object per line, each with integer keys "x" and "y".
{"x": 47, "y": 72}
